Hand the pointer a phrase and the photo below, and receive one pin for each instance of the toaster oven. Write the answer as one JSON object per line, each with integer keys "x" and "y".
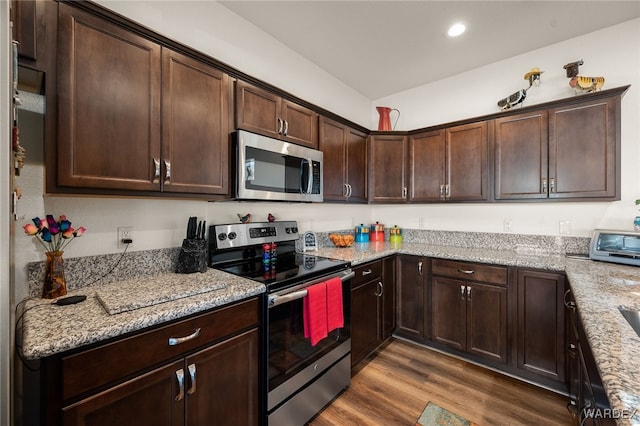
{"x": 615, "y": 246}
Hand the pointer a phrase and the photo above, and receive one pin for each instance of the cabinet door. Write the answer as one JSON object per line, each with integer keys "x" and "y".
{"x": 427, "y": 166}
{"x": 388, "y": 296}
{"x": 487, "y": 321}
{"x": 152, "y": 399}
{"x": 449, "y": 312}
{"x": 195, "y": 132}
{"x": 109, "y": 104}
{"x": 584, "y": 150}
{"x": 29, "y": 30}
{"x": 332, "y": 145}
{"x": 257, "y": 110}
{"x": 467, "y": 163}
{"x": 365, "y": 327}
{"x": 387, "y": 162}
{"x": 300, "y": 124}
{"x": 356, "y": 165}
{"x": 540, "y": 324}
{"x": 521, "y": 156}
{"x": 222, "y": 385}
{"x": 411, "y": 307}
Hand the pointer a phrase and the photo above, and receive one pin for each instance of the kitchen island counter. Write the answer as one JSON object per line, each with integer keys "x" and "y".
{"x": 599, "y": 290}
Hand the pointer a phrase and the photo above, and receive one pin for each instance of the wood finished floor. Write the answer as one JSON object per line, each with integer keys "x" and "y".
{"x": 394, "y": 387}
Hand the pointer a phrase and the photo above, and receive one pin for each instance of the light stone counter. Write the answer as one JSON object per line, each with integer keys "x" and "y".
{"x": 599, "y": 289}
{"x": 48, "y": 329}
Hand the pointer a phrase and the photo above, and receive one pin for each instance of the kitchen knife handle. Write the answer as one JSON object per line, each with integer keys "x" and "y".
{"x": 167, "y": 175}
{"x": 156, "y": 174}
{"x": 180, "y": 377}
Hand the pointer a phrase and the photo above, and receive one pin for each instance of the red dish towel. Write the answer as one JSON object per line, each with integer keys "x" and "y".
{"x": 315, "y": 313}
{"x": 335, "y": 317}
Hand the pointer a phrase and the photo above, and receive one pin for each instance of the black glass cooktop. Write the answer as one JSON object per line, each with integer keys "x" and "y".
{"x": 282, "y": 269}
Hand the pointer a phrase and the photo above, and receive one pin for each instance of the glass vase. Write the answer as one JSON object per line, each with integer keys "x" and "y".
{"x": 54, "y": 283}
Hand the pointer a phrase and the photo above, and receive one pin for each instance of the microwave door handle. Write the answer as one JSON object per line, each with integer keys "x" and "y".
{"x": 302, "y": 175}
{"x": 310, "y": 180}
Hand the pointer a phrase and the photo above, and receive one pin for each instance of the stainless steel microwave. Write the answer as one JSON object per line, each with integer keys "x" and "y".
{"x": 273, "y": 170}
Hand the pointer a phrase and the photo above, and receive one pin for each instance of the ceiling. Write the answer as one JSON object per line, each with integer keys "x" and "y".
{"x": 384, "y": 47}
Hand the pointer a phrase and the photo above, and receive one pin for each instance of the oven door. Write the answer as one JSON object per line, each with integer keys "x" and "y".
{"x": 270, "y": 169}
{"x": 292, "y": 361}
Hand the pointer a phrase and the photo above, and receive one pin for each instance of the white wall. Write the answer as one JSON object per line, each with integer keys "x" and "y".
{"x": 613, "y": 52}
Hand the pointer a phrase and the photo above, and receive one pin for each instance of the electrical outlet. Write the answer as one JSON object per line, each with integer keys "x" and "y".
{"x": 125, "y": 233}
{"x": 565, "y": 227}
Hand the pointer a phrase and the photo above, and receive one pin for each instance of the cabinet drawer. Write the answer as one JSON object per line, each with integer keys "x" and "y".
{"x": 367, "y": 272}
{"x": 100, "y": 366}
{"x": 470, "y": 271}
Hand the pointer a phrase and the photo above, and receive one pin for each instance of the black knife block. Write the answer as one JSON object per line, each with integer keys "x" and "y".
{"x": 193, "y": 256}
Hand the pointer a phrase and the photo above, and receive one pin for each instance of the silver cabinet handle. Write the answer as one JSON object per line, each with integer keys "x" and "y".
{"x": 286, "y": 128}
{"x": 552, "y": 185}
{"x": 280, "y": 124}
{"x": 167, "y": 175}
{"x": 567, "y": 303}
{"x": 177, "y": 340}
{"x": 349, "y": 190}
{"x": 192, "y": 376}
{"x": 469, "y": 293}
{"x": 442, "y": 192}
{"x": 420, "y": 267}
{"x": 404, "y": 192}
{"x": 544, "y": 185}
{"x": 466, "y": 271}
{"x": 346, "y": 190}
{"x": 180, "y": 377}
{"x": 156, "y": 174}
{"x": 462, "y": 291}
{"x": 381, "y": 287}
{"x": 447, "y": 194}
{"x": 367, "y": 272}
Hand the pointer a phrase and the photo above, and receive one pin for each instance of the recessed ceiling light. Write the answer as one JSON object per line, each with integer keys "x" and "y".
{"x": 456, "y": 29}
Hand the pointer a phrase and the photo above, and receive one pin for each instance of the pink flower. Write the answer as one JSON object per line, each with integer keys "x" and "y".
{"x": 78, "y": 232}
{"x": 30, "y": 229}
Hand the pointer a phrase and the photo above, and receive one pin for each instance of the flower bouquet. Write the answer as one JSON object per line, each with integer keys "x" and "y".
{"x": 54, "y": 236}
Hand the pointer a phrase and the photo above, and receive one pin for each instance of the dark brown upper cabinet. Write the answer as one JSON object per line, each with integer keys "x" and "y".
{"x": 387, "y": 168}
{"x": 345, "y": 162}
{"x": 135, "y": 116}
{"x": 261, "y": 111}
{"x": 567, "y": 152}
{"x": 29, "y": 24}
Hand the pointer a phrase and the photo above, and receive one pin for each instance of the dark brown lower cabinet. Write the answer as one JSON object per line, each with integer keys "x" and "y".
{"x": 411, "y": 289}
{"x": 372, "y": 307}
{"x": 540, "y": 325}
{"x": 470, "y": 317}
{"x": 218, "y": 383}
{"x": 210, "y": 377}
{"x": 587, "y": 398}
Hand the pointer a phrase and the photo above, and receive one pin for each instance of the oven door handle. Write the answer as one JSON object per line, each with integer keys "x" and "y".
{"x": 275, "y": 300}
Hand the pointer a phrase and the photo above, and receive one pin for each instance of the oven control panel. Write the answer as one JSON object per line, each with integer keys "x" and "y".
{"x": 247, "y": 234}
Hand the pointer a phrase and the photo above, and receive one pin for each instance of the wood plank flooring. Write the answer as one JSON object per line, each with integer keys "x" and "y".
{"x": 395, "y": 386}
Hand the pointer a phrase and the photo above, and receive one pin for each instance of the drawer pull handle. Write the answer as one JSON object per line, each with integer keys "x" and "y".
{"x": 192, "y": 376}
{"x": 367, "y": 272}
{"x": 467, "y": 271}
{"x": 177, "y": 340}
{"x": 420, "y": 267}
{"x": 180, "y": 377}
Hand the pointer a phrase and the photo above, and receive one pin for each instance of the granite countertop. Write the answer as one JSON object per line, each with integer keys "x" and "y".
{"x": 49, "y": 329}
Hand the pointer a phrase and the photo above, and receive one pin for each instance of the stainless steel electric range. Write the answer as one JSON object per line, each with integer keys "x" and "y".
{"x": 301, "y": 378}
